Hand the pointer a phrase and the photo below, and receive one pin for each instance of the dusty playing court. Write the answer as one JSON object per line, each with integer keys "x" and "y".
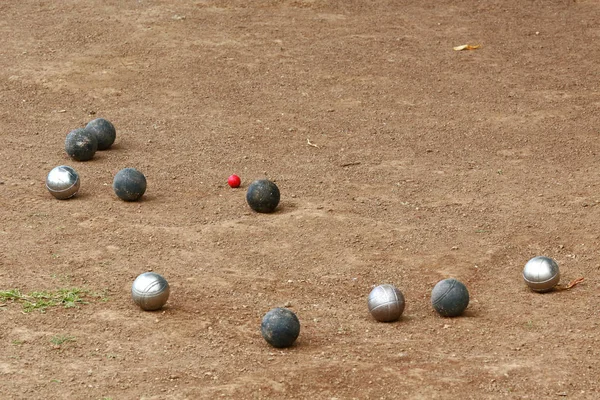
{"x": 399, "y": 160}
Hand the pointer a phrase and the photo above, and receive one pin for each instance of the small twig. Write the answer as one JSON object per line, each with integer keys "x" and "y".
{"x": 575, "y": 282}
{"x": 350, "y": 164}
{"x": 571, "y": 284}
{"x": 310, "y": 144}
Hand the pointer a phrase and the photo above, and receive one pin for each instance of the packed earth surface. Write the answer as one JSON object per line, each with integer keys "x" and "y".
{"x": 399, "y": 160}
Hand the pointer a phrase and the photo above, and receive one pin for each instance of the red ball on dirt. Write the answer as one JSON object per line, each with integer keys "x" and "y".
{"x": 234, "y": 181}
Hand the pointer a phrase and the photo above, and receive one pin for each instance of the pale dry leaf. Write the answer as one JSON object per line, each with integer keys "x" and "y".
{"x": 467, "y": 47}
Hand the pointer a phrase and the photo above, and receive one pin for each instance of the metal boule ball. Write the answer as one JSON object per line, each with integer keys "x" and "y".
{"x": 63, "y": 182}
{"x": 280, "y": 327}
{"x": 449, "y": 297}
{"x": 541, "y": 274}
{"x": 129, "y": 184}
{"x": 81, "y": 145}
{"x": 104, "y": 131}
{"x": 150, "y": 291}
{"x": 263, "y": 196}
{"x": 386, "y": 303}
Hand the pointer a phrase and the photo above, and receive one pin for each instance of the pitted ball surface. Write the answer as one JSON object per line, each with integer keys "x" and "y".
{"x": 263, "y": 196}
{"x": 280, "y": 327}
{"x": 450, "y": 297}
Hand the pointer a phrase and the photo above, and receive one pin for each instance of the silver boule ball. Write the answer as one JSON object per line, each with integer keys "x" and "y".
{"x": 63, "y": 182}
{"x": 150, "y": 291}
{"x": 386, "y": 303}
{"x": 541, "y": 274}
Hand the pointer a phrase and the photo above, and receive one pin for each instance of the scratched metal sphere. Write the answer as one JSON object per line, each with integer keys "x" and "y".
{"x": 450, "y": 297}
{"x": 129, "y": 184}
{"x": 81, "y": 145}
{"x": 386, "y": 303}
{"x": 63, "y": 182}
{"x": 104, "y": 131}
{"x": 263, "y": 196}
{"x": 280, "y": 327}
{"x": 150, "y": 291}
{"x": 541, "y": 274}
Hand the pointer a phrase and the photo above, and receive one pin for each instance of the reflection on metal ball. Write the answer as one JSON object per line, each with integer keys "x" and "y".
{"x": 63, "y": 182}
{"x": 541, "y": 274}
{"x": 150, "y": 291}
{"x": 386, "y": 303}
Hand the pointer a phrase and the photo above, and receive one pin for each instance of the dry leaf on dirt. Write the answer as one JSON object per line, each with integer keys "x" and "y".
{"x": 308, "y": 142}
{"x": 467, "y": 47}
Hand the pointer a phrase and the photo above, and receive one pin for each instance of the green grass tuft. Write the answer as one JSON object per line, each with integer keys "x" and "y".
{"x": 61, "y": 339}
{"x": 41, "y": 301}
{"x": 10, "y": 295}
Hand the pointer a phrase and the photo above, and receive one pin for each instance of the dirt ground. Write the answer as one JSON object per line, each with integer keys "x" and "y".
{"x": 399, "y": 161}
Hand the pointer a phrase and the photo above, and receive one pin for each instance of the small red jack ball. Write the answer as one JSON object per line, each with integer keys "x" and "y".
{"x": 234, "y": 181}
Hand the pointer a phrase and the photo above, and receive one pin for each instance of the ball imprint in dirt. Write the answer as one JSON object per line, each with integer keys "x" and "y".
{"x": 129, "y": 184}
{"x": 150, "y": 291}
{"x": 263, "y": 196}
{"x": 541, "y": 274}
{"x": 81, "y": 145}
{"x": 63, "y": 182}
{"x": 386, "y": 303}
{"x": 280, "y": 327}
{"x": 104, "y": 131}
{"x": 450, "y": 297}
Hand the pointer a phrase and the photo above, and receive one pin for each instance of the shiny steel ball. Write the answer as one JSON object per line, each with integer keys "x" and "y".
{"x": 63, "y": 182}
{"x": 386, "y": 303}
{"x": 150, "y": 291}
{"x": 263, "y": 196}
{"x": 280, "y": 327}
{"x": 129, "y": 184}
{"x": 450, "y": 297}
{"x": 81, "y": 145}
{"x": 541, "y": 274}
{"x": 104, "y": 131}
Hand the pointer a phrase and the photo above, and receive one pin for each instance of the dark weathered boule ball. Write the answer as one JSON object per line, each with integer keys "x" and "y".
{"x": 280, "y": 327}
{"x": 263, "y": 196}
{"x": 450, "y": 297}
{"x": 104, "y": 131}
{"x": 81, "y": 145}
{"x": 129, "y": 184}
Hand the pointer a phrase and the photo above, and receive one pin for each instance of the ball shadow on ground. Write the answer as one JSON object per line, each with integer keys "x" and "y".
{"x": 285, "y": 208}
{"x": 79, "y": 196}
{"x": 146, "y": 198}
{"x": 465, "y": 314}
{"x": 115, "y": 147}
